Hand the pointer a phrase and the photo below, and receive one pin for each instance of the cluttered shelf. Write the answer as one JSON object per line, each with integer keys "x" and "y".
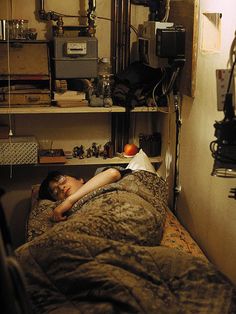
{"x": 85, "y": 109}
{"x": 91, "y": 161}
{"x": 101, "y": 161}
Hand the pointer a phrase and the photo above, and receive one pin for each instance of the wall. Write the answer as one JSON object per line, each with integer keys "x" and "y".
{"x": 203, "y": 205}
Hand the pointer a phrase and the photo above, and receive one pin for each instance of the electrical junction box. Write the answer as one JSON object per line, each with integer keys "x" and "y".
{"x": 147, "y": 43}
{"x": 170, "y": 42}
{"x": 75, "y": 57}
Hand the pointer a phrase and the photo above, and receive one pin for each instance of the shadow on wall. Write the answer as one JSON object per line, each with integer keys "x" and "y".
{"x": 184, "y": 214}
{"x": 18, "y": 221}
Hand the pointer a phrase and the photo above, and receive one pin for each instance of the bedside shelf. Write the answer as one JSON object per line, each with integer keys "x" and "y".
{"x": 110, "y": 161}
{"x": 100, "y": 161}
{"x": 90, "y": 162}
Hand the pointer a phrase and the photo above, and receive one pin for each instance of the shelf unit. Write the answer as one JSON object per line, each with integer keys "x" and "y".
{"x": 117, "y": 160}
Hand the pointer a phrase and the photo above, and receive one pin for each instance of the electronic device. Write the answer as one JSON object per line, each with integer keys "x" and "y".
{"x": 170, "y": 42}
{"x": 161, "y": 41}
{"x": 75, "y": 48}
{"x": 75, "y": 57}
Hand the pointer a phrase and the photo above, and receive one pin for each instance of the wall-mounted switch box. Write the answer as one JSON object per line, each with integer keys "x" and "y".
{"x": 222, "y": 81}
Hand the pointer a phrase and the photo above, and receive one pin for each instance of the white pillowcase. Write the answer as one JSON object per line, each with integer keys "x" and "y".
{"x": 141, "y": 162}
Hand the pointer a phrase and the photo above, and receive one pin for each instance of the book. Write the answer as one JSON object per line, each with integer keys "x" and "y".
{"x": 71, "y": 103}
{"x": 69, "y": 95}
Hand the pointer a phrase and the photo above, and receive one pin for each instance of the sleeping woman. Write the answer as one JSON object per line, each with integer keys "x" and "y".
{"x": 59, "y": 187}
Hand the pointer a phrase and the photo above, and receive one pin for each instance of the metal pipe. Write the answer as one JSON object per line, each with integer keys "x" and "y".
{"x": 127, "y": 60}
{"x": 126, "y": 34}
{"x": 114, "y": 36}
{"x": 42, "y": 13}
{"x": 91, "y": 16}
{"x": 119, "y": 35}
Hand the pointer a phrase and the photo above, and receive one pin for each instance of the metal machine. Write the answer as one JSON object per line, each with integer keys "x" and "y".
{"x": 75, "y": 48}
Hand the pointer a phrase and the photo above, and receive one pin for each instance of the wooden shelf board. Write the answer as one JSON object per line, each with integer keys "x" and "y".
{"x": 59, "y": 110}
{"x": 101, "y": 161}
{"x": 92, "y": 161}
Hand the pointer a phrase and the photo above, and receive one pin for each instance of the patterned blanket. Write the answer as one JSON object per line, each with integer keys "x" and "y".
{"x": 106, "y": 258}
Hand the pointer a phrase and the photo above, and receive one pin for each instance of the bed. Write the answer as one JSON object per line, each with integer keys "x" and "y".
{"x": 120, "y": 251}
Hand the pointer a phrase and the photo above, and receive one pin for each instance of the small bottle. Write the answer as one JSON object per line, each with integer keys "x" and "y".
{"x": 105, "y": 79}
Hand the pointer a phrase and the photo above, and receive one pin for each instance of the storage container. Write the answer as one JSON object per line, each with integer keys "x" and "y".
{"x": 18, "y": 151}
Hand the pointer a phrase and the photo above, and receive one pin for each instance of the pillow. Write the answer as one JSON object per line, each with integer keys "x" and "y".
{"x": 39, "y": 216}
{"x": 141, "y": 162}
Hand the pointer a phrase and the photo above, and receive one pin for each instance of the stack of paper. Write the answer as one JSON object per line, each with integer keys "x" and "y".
{"x": 70, "y": 99}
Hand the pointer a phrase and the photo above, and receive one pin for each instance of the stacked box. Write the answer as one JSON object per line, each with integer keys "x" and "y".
{"x": 18, "y": 151}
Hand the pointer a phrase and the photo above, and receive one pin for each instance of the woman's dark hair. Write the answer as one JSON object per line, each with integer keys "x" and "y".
{"x": 44, "y": 189}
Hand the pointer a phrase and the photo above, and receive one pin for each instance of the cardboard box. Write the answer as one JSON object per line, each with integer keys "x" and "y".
{"x": 53, "y": 156}
{"x": 30, "y": 73}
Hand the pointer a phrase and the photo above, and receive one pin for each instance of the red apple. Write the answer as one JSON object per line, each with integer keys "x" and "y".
{"x": 130, "y": 149}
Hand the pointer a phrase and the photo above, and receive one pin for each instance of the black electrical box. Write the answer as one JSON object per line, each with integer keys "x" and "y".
{"x": 170, "y": 42}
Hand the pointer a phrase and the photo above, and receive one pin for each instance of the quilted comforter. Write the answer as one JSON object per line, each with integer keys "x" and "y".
{"x": 106, "y": 258}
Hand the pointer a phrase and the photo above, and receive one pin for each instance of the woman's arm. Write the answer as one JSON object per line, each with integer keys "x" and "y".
{"x": 108, "y": 176}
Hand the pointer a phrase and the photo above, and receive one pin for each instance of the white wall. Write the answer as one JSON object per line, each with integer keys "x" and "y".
{"x": 204, "y": 206}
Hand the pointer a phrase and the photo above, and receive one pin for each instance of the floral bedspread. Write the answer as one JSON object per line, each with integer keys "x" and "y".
{"x": 106, "y": 258}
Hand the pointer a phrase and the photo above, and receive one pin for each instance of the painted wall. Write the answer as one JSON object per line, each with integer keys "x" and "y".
{"x": 204, "y": 206}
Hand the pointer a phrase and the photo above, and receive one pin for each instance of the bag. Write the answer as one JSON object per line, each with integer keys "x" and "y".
{"x": 134, "y": 86}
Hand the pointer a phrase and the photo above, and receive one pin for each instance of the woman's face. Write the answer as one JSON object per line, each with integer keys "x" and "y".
{"x": 64, "y": 186}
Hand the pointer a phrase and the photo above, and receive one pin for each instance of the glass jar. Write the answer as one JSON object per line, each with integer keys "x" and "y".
{"x": 105, "y": 83}
{"x": 18, "y": 29}
{"x": 104, "y": 66}
{"x": 23, "y": 29}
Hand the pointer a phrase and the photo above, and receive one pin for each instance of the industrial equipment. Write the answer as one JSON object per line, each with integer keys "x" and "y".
{"x": 75, "y": 49}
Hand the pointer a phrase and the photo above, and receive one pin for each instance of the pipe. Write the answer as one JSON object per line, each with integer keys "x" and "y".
{"x": 114, "y": 36}
{"x": 43, "y": 15}
{"x": 91, "y": 16}
{"x": 127, "y": 34}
